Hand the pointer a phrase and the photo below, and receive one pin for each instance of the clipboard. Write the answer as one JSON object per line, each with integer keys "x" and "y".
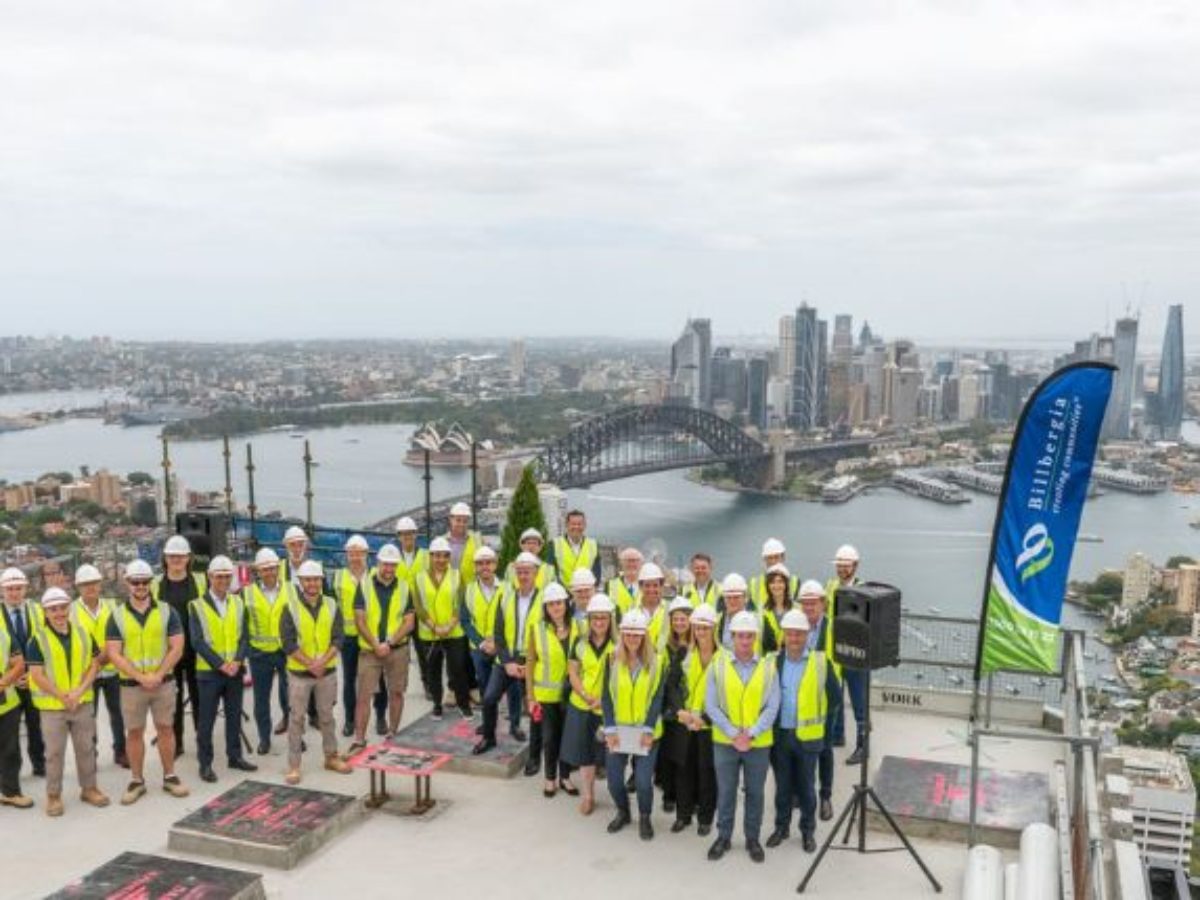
{"x": 629, "y": 740}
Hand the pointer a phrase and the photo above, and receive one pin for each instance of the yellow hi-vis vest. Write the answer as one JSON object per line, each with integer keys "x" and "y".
{"x": 96, "y": 624}
{"x": 263, "y": 614}
{"x": 508, "y": 609}
{"x": 482, "y": 610}
{"x": 198, "y": 579}
{"x": 695, "y": 674}
{"x": 221, "y": 633}
{"x": 811, "y": 702}
{"x": 6, "y": 645}
{"x": 144, "y": 645}
{"x": 466, "y": 562}
{"x": 659, "y": 628}
{"x": 631, "y": 696}
{"x": 771, "y": 620}
{"x": 545, "y": 575}
{"x": 314, "y": 634}
{"x": 712, "y": 594}
{"x": 758, "y": 589}
{"x": 407, "y": 570}
{"x": 742, "y": 702}
{"x": 566, "y": 559}
{"x": 345, "y": 588}
{"x": 591, "y": 670}
{"x": 65, "y": 674}
{"x": 440, "y": 603}
{"x": 373, "y": 611}
{"x": 726, "y": 617}
{"x": 622, "y": 597}
{"x": 550, "y": 674}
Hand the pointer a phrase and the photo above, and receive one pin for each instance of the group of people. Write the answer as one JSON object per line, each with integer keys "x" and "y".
{"x": 700, "y": 694}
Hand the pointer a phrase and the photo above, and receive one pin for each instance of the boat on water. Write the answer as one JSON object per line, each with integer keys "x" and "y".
{"x": 1091, "y": 539}
{"x": 935, "y": 611}
{"x": 296, "y": 434}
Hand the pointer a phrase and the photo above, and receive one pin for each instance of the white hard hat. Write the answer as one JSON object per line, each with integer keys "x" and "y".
{"x": 704, "y": 615}
{"x": 794, "y": 620}
{"x": 484, "y": 552}
{"x": 743, "y": 622}
{"x": 265, "y": 558}
{"x": 812, "y": 588}
{"x": 846, "y": 553}
{"x": 773, "y": 547}
{"x": 600, "y": 604}
{"x": 405, "y": 524}
{"x": 13, "y": 575}
{"x": 530, "y": 533}
{"x": 636, "y": 621}
{"x": 460, "y": 509}
{"x": 554, "y": 593}
{"x": 87, "y": 574}
{"x": 310, "y": 568}
{"x": 525, "y": 558}
{"x": 138, "y": 568}
{"x": 439, "y": 545}
{"x": 733, "y": 584}
{"x": 582, "y": 578}
{"x": 779, "y": 569}
{"x": 294, "y": 533}
{"x": 388, "y": 553}
{"x": 357, "y": 542}
{"x": 177, "y": 545}
{"x": 220, "y": 565}
{"x": 55, "y": 596}
{"x": 650, "y": 572}
{"x": 630, "y": 553}
{"x": 679, "y": 604}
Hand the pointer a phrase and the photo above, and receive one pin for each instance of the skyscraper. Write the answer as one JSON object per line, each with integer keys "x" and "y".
{"x": 691, "y": 361}
{"x": 808, "y": 378}
{"x": 1170, "y": 376}
{"x": 843, "y": 336}
{"x": 787, "y": 347}
{"x": 757, "y": 374}
{"x": 1120, "y": 403}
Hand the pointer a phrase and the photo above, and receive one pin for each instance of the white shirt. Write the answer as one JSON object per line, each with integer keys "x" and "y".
{"x": 524, "y": 603}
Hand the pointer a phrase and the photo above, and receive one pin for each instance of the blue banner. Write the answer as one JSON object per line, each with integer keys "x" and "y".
{"x": 1037, "y": 520}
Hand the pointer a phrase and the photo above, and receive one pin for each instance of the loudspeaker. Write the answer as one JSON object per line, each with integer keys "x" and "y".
{"x": 866, "y": 626}
{"x": 205, "y": 528}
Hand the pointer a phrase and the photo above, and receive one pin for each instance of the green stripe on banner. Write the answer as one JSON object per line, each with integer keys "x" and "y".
{"x": 1016, "y": 640}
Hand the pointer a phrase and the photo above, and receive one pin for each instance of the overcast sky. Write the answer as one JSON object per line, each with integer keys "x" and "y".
{"x": 401, "y": 168}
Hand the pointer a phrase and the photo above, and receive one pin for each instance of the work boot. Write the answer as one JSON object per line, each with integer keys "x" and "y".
{"x": 718, "y": 849}
{"x": 54, "y": 805}
{"x": 173, "y": 786}
{"x": 335, "y": 763}
{"x": 645, "y": 829}
{"x": 94, "y": 797}
{"x": 16, "y": 801}
{"x": 754, "y": 848}
{"x": 778, "y": 836}
{"x": 620, "y": 821}
{"x": 135, "y": 792}
{"x": 826, "y": 810}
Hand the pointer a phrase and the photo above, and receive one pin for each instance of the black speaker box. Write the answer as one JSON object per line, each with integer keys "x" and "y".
{"x": 205, "y": 529}
{"x": 866, "y": 626}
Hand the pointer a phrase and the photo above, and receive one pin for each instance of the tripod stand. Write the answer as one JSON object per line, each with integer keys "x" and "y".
{"x": 855, "y": 811}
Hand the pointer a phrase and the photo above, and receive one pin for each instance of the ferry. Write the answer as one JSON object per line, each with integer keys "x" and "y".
{"x": 934, "y": 611}
{"x": 1091, "y": 539}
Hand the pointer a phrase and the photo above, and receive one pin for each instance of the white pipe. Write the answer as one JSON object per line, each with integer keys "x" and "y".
{"x": 1012, "y": 878}
{"x": 1038, "y": 876}
{"x": 984, "y": 875}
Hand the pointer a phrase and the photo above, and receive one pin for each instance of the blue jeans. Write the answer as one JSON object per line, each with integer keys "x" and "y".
{"x": 350, "y": 651}
{"x": 856, "y": 686}
{"x": 265, "y": 667}
{"x": 483, "y": 672}
{"x": 217, "y": 689}
{"x": 643, "y": 779}
{"x": 795, "y": 768}
{"x": 734, "y": 767}
{"x": 833, "y": 718}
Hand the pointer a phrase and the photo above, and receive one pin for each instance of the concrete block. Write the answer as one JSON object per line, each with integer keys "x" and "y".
{"x": 456, "y": 736}
{"x": 265, "y": 824}
{"x": 140, "y": 875}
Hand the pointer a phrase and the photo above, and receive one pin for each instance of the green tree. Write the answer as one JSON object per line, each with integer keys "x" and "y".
{"x": 140, "y": 479}
{"x": 525, "y": 511}
{"x": 1175, "y": 561}
{"x": 1108, "y": 584}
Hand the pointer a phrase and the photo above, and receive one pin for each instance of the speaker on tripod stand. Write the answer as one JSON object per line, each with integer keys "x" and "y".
{"x": 206, "y": 530}
{"x": 866, "y": 637}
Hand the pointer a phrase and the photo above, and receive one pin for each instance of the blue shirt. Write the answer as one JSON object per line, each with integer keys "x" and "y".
{"x": 790, "y": 675}
{"x": 812, "y": 642}
{"x": 712, "y": 706}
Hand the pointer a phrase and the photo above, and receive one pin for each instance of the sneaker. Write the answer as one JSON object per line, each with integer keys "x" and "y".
{"x": 467, "y": 713}
{"x": 135, "y": 792}
{"x": 335, "y": 763}
{"x": 94, "y": 797}
{"x": 292, "y": 777}
{"x": 173, "y": 786}
{"x": 54, "y": 806}
{"x": 437, "y": 713}
{"x": 16, "y": 801}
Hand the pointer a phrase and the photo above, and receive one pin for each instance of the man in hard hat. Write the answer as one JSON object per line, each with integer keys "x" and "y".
{"x": 437, "y": 599}
{"x": 62, "y": 660}
{"x": 346, "y": 585}
{"x": 742, "y": 700}
{"x": 23, "y": 620}
{"x": 845, "y": 563}
{"x": 733, "y": 594}
{"x": 385, "y": 620}
{"x": 482, "y": 599}
{"x": 518, "y": 608}
{"x": 93, "y": 612}
{"x": 703, "y": 589}
{"x": 12, "y": 670}
{"x": 145, "y": 642}
{"x": 820, "y": 638}
{"x": 266, "y": 598}
{"x": 462, "y": 542}
{"x": 583, "y": 588}
{"x": 295, "y": 543}
{"x": 178, "y": 587}
{"x": 650, "y": 588}
{"x": 623, "y": 589}
{"x": 413, "y": 560}
{"x": 799, "y": 730}
{"x": 575, "y": 549}
{"x": 310, "y": 630}
{"x": 773, "y": 551}
{"x": 531, "y": 542}
{"x": 222, "y": 641}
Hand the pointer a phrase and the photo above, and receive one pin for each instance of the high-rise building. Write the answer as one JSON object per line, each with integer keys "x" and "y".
{"x": 757, "y": 376}
{"x": 843, "y": 337}
{"x": 691, "y": 360}
{"x": 839, "y": 390}
{"x": 871, "y": 367}
{"x": 787, "y": 347}
{"x": 1120, "y": 403}
{"x": 1161, "y": 802}
{"x": 808, "y": 379}
{"x": 1169, "y": 400}
{"x": 1187, "y": 587}
{"x": 1139, "y": 572}
{"x": 728, "y": 380}
{"x": 516, "y": 360}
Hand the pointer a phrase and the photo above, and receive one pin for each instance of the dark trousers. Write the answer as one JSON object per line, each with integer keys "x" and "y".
{"x": 453, "y": 653}
{"x": 643, "y": 779}
{"x": 185, "y": 674}
{"x": 499, "y": 684}
{"x": 825, "y": 757}
{"x": 216, "y": 689}
{"x": 554, "y": 717}
{"x": 696, "y": 780}
{"x": 350, "y": 653}
{"x": 110, "y": 690}
{"x": 33, "y": 730}
{"x": 856, "y": 682}
{"x": 423, "y": 648}
{"x": 267, "y": 668}
{"x": 10, "y": 752}
{"x": 795, "y": 768}
{"x": 483, "y": 665}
